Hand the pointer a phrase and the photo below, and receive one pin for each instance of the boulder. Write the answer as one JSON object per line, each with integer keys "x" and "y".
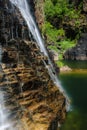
{"x": 54, "y": 55}
{"x": 79, "y": 52}
{"x": 65, "y": 68}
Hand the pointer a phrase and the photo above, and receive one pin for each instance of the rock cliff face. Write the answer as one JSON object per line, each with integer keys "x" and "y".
{"x": 30, "y": 96}
{"x": 12, "y": 24}
{"x": 79, "y": 52}
{"x": 39, "y": 11}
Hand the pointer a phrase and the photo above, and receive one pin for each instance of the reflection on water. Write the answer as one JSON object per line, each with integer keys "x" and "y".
{"x": 75, "y": 64}
{"x": 76, "y": 86}
{"x": 75, "y": 121}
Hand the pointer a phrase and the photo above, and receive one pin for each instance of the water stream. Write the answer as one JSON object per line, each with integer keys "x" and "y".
{"x": 5, "y": 113}
{"x": 24, "y": 8}
{"x": 10, "y": 110}
{"x": 5, "y": 124}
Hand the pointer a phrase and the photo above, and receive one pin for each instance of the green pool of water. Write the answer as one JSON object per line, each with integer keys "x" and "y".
{"x": 75, "y": 85}
{"x": 75, "y": 64}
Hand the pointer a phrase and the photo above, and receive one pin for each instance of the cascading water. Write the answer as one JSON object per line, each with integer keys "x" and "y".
{"x": 3, "y": 115}
{"x": 5, "y": 124}
{"x": 8, "y": 118}
{"x": 24, "y": 8}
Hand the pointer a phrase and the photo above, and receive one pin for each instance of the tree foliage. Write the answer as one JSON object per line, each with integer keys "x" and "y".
{"x": 60, "y": 8}
{"x": 55, "y": 11}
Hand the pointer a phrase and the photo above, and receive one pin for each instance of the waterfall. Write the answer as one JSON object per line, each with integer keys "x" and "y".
{"x": 25, "y": 11}
{"x": 4, "y": 123}
{"x": 9, "y": 120}
{"x": 3, "y": 115}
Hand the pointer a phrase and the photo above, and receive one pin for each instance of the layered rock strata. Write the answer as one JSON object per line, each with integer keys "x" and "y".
{"x": 30, "y": 96}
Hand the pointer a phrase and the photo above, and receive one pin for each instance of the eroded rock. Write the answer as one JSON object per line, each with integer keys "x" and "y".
{"x": 32, "y": 94}
{"x": 31, "y": 98}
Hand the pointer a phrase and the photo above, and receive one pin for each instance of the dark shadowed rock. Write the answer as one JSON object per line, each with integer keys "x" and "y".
{"x": 85, "y": 5}
{"x": 79, "y": 52}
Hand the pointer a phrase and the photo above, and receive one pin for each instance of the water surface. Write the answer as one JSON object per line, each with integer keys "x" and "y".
{"x": 75, "y": 64}
{"x": 75, "y": 83}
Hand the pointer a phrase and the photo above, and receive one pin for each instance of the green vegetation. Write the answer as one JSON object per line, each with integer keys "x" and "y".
{"x": 51, "y": 32}
{"x": 60, "y": 8}
{"x": 56, "y": 12}
{"x": 60, "y": 63}
{"x": 62, "y": 46}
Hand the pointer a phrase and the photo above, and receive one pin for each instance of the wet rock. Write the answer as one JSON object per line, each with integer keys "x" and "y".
{"x": 12, "y": 25}
{"x": 31, "y": 98}
{"x": 30, "y": 93}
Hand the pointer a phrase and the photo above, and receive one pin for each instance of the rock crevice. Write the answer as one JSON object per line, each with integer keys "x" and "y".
{"x": 32, "y": 99}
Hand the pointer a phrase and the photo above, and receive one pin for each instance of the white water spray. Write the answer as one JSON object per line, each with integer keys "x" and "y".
{"x": 3, "y": 115}
{"x": 24, "y": 8}
{"x": 5, "y": 122}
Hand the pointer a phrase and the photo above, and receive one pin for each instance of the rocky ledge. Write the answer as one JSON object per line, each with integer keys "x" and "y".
{"x": 30, "y": 96}
{"x": 30, "y": 93}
